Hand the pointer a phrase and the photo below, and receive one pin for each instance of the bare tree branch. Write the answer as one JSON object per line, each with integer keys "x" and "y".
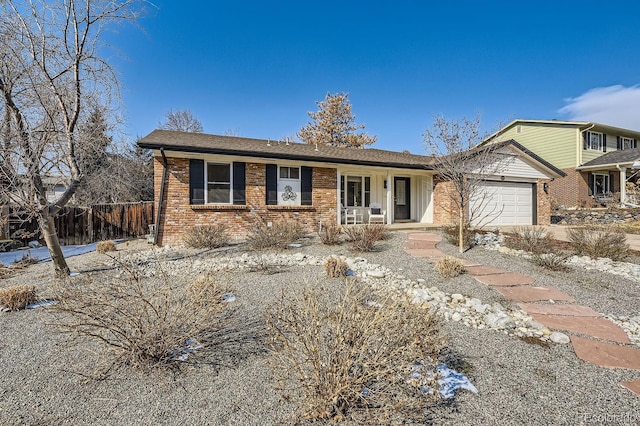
{"x": 50, "y": 71}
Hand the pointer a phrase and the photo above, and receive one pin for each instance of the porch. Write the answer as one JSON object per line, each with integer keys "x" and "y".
{"x": 392, "y": 197}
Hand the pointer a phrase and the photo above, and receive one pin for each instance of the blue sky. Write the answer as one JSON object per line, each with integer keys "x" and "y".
{"x": 257, "y": 67}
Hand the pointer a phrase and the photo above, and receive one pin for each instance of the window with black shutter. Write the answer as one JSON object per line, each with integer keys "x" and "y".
{"x": 271, "y": 186}
{"x": 196, "y": 181}
{"x": 306, "y": 186}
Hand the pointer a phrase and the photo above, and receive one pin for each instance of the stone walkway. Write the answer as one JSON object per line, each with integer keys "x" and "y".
{"x": 594, "y": 339}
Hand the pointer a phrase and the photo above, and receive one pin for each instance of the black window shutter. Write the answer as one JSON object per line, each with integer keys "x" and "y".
{"x": 635, "y": 143}
{"x": 618, "y": 143}
{"x": 590, "y": 178}
{"x": 585, "y": 140}
{"x": 272, "y": 184}
{"x": 239, "y": 193}
{"x": 306, "y": 185}
{"x": 604, "y": 142}
{"x": 196, "y": 181}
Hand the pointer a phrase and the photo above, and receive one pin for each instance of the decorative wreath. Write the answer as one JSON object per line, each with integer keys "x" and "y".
{"x": 288, "y": 194}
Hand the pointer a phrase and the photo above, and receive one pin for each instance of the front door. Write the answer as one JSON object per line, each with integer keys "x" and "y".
{"x": 401, "y": 191}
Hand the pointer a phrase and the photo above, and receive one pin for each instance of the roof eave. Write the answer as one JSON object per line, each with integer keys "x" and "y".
{"x": 278, "y": 156}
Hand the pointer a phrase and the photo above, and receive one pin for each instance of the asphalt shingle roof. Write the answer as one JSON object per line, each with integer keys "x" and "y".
{"x": 262, "y": 148}
{"x": 615, "y": 157}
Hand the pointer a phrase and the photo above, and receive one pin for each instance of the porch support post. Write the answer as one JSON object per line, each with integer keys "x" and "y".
{"x": 389, "y": 199}
{"x": 623, "y": 185}
{"x": 338, "y": 199}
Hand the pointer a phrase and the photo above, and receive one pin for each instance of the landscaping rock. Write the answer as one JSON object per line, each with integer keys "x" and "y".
{"x": 561, "y": 338}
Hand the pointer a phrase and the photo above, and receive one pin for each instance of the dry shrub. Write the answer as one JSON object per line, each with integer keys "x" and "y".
{"x": 335, "y": 267}
{"x": 351, "y": 358}
{"x": 532, "y": 239}
{"x": 105, "y": 246}
{"x": 606, "y": 242}
{"x": 451, "y": 234}
{"x": 279, "y": 235}
{"x": 25, "y": 261}
{"x": 364, "y": 237}
{"x": 140, "y": 321}
{"x": 449, "y": 267}
{"x": 330, "y": 234}
{"x": 17, "y": 297}
{"x": 5, "y": 272}
{"x": 554, "y": 261}
{"x": 207, "y": 236}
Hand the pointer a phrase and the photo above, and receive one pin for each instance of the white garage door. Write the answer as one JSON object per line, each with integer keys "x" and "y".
{"x": 503, "y": 203}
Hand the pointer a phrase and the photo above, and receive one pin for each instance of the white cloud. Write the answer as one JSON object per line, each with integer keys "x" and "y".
{"x": 614, "y": 105}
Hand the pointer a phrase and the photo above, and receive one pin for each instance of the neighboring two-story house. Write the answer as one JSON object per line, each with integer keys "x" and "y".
{"x": 573, "y": 147}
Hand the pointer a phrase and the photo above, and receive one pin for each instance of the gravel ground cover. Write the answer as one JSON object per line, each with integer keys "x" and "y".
{"x": 43, "y": 379}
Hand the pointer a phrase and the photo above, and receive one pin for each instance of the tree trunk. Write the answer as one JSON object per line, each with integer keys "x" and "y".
{"x": 48, "y": 228}
{"x": 461, "y": 232}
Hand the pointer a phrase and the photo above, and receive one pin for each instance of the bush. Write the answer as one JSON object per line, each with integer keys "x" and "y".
{"x": 351, "y": 358}
{"x": 17, "y": 297}
{"x": 25, "y": 261}
{"x": 607, "y": 242}
{"x": 335, "y": 267}
{"x": 449, "y": 267}
{"x": 330, "y": 234}
{"x": 207, "y": 236}
{"x": 554, "y": 261}
{"x": 451, "y": 234}
{"x": 364, "y": 237}
{"x": 279, "y": 235}
{"x": 531, "y": 239}
{"x": 138, "y": 321}
{"x": 105, "y": 246}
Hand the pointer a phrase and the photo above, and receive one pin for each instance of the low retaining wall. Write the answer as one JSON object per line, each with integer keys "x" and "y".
{"x": 598, "y": 216}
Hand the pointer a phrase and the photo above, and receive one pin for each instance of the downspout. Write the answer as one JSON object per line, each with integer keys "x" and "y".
{"x": 581, "y": 145}
{"x": 162, "y": 184}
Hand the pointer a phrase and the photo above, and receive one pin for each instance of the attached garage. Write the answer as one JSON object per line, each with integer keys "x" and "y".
{"x": 499, "y": 203}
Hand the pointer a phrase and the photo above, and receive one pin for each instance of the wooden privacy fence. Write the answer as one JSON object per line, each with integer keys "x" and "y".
{"x": 83, "y": 225}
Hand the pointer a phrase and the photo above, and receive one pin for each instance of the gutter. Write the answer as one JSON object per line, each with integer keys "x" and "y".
{"x": 162, "y": 184}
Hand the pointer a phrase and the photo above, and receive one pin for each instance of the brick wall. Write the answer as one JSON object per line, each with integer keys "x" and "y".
{"x": 571, "y": 190}
{"x": 177, "y": 216}
{"x": 544, "y": 203}
{"x": 445, "y": 211}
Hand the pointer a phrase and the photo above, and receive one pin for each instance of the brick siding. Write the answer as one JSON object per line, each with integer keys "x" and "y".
{"x": 178, "y": 216}
{"x": 571, "y": 190}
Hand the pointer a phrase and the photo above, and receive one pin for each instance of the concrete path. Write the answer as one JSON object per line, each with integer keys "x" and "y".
{"x": 606, "y": 344}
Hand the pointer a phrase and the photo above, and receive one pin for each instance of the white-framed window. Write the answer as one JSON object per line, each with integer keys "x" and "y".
{"x": 626, "y": 143}
{"x": 218, "y": 178}
{"x": 289, "y": 173}
{"x": 600, "y": 183}
{"x": 289, "y": 186}
{"x": 355, "y": 191}
{"x": 594, "y": 142}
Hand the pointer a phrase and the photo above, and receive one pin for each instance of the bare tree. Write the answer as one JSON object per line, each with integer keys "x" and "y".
{"x": 181, "y": 121}
{"x": 50, "y": 72}
{"x": 461, "y": 165}
{"x": 334, "y": 124}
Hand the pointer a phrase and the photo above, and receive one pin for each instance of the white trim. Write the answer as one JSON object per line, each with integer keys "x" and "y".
{"x": 289, "y": 168}
{"x": 608, "y": 182}
{"x": 206, "y": 181}
{"x": 600, "y": 143}
{"x": 623, "y": 139}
